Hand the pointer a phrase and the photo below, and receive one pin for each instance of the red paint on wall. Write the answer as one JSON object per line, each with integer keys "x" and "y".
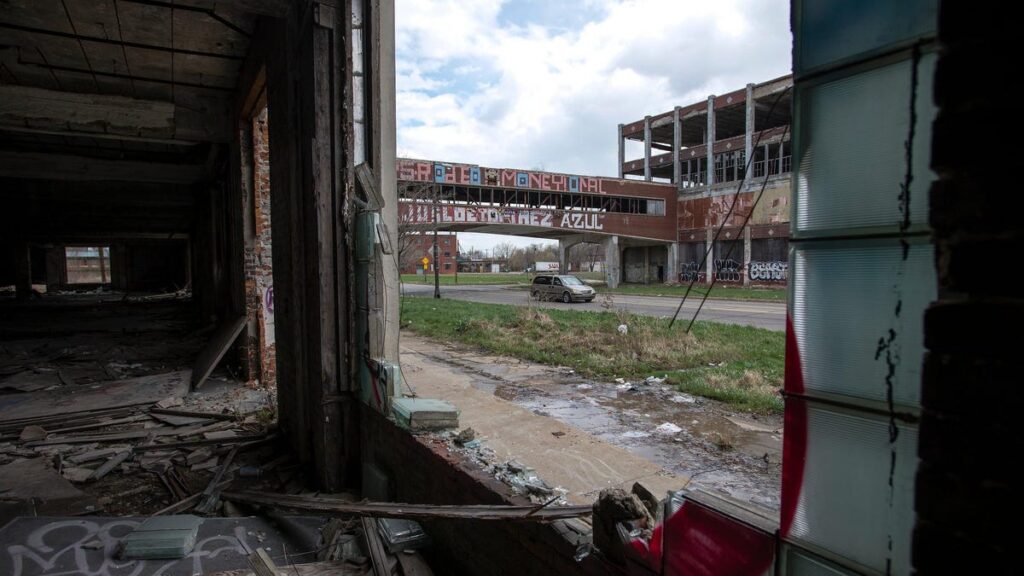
{"x": 794, "y": 438}
{"x": 701, "y": 542}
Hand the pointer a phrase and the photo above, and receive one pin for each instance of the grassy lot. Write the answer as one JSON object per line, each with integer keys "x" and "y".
{"x": 469, "y": 278}
{"x": 721, "y": 292}
{"x": 739, "y": 365}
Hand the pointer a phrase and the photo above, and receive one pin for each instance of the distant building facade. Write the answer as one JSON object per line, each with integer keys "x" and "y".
{"x": 727, "y": 150}
{"x": 417, "y": 246}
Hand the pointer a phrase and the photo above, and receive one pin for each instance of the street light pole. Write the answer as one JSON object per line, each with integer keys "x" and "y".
{"x": 437, "y": 271}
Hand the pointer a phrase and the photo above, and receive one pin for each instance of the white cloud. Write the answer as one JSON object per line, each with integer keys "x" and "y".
{"x": 475, "y": 87}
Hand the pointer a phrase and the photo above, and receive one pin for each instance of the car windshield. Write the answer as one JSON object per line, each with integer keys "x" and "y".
{"x": 571, "y": 281}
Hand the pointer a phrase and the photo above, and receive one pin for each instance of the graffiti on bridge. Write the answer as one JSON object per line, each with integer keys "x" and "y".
{"x": 768, "y": 271}
{"x": 422, "y": 213}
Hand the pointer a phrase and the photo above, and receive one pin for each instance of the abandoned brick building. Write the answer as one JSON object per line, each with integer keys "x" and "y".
{"x": 740, "y": 131}
{"x": 201, "y": 194}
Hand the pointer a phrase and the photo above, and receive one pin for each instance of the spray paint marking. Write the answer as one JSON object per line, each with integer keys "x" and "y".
{"x": 38, "y": 557}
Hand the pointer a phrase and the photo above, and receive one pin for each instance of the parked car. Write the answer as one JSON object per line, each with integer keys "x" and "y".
{"x": 562, "y": 287}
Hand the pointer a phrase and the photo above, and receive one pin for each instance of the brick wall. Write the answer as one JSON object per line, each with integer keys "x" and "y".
{"x": 259, "y": 279}
{"x": 969, "y": 440}
{"x": 417, "y": 246}
{"x": 423, "y": 471}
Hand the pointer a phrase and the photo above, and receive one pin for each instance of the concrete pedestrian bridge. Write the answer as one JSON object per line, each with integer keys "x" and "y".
{"x": 634, "y": 220}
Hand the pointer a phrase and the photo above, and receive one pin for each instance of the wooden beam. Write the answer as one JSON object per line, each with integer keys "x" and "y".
{"x": 24, "y": 107}
{"x": 277, "y": 8}
{"x": 330, "y": 507}
{"x": 39, "y": 165}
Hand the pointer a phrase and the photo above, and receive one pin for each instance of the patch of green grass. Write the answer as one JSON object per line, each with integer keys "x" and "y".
{"x": 739, "y": 365}
{"x": 718, "y": 292}
{"x": 469, "y": 278}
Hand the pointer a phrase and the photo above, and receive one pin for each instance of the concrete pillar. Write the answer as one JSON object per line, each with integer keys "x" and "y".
{"x": 677, "y": 142}
{"x": 748, "y": 138}
{"x": 56, "y": 268}
{"x": 709, "y": 140}
{"x": 564, "y": 244}
{"x": 612, "y": 261}
{"x": 622, "y": 152}
{"x": 746, "y": 256}
{"x": 647, "y": 264}
{"x": 22, "y": 257}
{"x": 647, "y": 148}
{"x": 672, "y": 263}
{"x": 780, "y": 156}
{"x": 385, "y": 126}
{"x": 710, "y": 265}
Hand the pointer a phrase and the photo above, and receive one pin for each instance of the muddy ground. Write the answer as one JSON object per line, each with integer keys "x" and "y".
{"x": 585, "y": 435}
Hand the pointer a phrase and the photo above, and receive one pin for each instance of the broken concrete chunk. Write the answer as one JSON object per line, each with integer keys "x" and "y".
{"x": 169, "y": 402}
{"x": 77, "y": 474}
{"x": 31, "y": 433}
{"x": 425, "y": 414}
{"x": 162, "y": 537}
{"x": 200, "y": 455}
{"x": 219, "y": 435}
{"x": 91, "y": 455}
{"x": 467, "y": 435}
{"x": 615, "y": 507}
{"x": 206, "y": 465}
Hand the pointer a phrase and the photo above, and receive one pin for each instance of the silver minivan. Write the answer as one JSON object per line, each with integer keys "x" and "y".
{"x": 561, "y": 287}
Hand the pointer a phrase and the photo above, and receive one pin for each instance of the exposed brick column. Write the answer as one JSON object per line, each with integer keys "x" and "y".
{"x": 970, "y": 437}
{"x": 259, "y": 279}
{"x": 264, "y": 261}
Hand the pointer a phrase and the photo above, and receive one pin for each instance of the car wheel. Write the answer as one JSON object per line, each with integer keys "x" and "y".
{"x": 566, "y": 297}
{"x": 535, "y": 294}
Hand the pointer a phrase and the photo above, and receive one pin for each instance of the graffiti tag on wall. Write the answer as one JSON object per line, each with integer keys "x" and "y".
{"x": 424, "y": 214}
{"x": 690, "y": 272}
{"x": 768, "y": 271}
{"x": 728, "y": 270}
{"x": 268, "y": 315}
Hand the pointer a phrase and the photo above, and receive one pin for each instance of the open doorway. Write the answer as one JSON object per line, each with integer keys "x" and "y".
{"x": 88, "y": 264}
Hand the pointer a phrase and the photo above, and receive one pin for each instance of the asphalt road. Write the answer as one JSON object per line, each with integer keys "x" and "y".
{"x": 769, "y": 315}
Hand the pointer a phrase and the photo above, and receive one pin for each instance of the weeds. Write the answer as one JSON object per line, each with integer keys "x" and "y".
{"x": 739, "y": 365}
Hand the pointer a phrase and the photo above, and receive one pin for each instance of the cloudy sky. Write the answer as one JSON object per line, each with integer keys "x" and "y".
{"x": 543, "y": 84}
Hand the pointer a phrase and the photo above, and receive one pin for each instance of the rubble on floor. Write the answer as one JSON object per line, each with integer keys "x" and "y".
{"x": 113, "y": 444}
{"x": 522, "y": 479}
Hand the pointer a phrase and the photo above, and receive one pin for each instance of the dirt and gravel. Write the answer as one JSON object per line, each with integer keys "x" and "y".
{"x": 585, "y": 435}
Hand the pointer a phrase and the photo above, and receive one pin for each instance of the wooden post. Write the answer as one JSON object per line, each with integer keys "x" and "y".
{"x": 309, "y": 94}
{"x": 22, "y": 270}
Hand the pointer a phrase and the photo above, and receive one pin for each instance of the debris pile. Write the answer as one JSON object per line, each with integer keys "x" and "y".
{"x": 132, "y": 459}
{"x": 522, "y": 479}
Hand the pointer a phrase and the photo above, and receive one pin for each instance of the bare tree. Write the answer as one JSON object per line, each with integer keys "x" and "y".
{"x": 503, "y": 251}
{"x": 408, "y": 229}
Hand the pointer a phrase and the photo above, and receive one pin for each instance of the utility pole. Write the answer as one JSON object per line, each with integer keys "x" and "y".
{"x": 437, "y": 271}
